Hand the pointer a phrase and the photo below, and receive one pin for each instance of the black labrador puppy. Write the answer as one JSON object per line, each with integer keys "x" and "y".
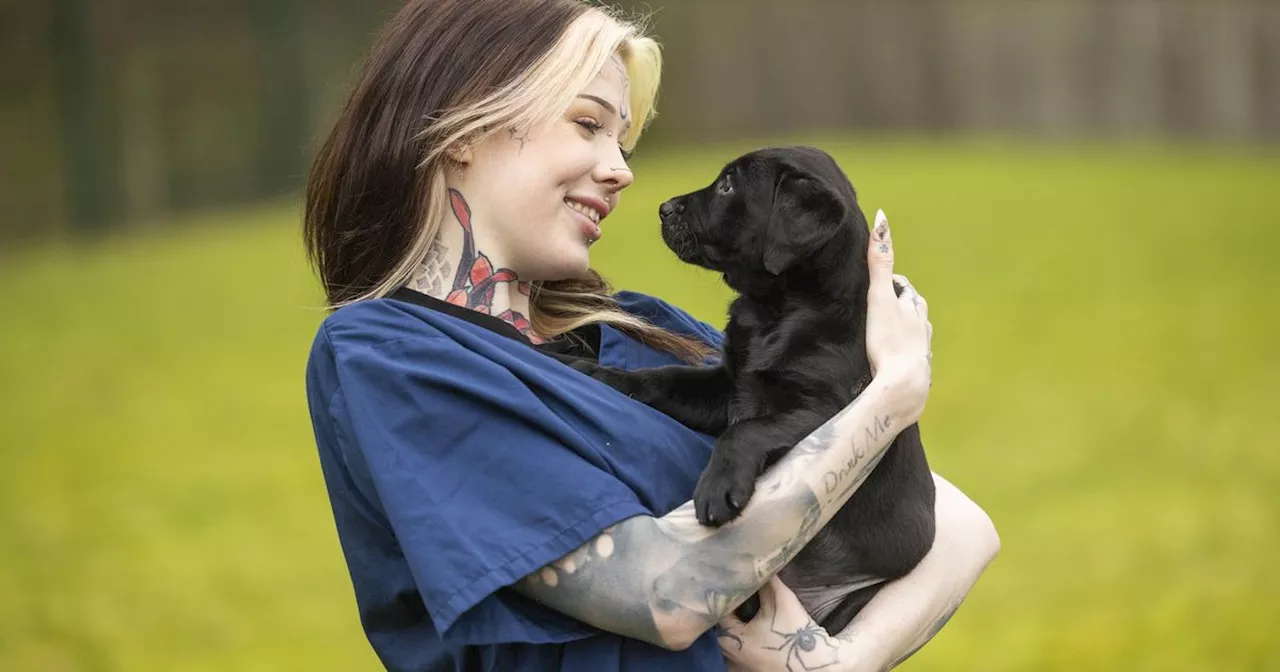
{"x": 784, "y": 228}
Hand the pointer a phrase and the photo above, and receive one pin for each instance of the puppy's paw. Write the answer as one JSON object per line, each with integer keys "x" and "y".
{"x": 748, "y": 610}
{"x": 723, "y": 491}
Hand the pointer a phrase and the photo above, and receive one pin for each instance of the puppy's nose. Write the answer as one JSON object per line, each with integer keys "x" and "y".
{"x": 670, "y": 208}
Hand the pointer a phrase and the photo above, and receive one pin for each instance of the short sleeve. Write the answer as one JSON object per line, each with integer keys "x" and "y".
{"x": 480, "y": 483}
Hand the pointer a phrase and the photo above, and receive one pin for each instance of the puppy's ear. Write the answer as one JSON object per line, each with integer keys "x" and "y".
{"x": 806, "y": 214}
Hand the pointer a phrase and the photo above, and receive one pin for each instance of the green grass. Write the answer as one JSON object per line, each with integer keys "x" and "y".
{"x": 1107, "y": 353}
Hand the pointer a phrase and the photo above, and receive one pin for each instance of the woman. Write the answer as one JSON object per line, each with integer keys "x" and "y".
{"x": 498, "y": 510}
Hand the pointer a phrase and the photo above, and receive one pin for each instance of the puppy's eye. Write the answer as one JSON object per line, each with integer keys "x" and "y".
{"x": 725, "y": 187}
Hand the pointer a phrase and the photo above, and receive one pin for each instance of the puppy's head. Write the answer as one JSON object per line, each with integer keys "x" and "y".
{"x": 767, "y": 215}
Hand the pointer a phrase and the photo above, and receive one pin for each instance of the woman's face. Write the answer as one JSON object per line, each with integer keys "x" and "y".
{"x": 538, "y": 195}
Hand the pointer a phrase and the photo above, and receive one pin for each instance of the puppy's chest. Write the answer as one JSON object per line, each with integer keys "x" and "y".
{"x": 787, "y": 365}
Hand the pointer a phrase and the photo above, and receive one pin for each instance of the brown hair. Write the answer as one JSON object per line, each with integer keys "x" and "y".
{"x": 444, "y": 72}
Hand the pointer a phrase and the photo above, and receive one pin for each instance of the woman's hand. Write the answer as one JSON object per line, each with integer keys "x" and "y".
{"x": 898, "y": 329}
{"x": 782, "y": 636}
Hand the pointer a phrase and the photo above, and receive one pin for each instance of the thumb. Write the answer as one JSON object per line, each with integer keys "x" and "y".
{"x": 880, "y": 260}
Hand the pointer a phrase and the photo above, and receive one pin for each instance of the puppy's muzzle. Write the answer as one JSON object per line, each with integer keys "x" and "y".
{"x": 676, "y": 233}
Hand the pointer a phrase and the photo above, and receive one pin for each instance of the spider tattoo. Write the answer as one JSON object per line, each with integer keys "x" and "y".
{"x": 810, "y": 647}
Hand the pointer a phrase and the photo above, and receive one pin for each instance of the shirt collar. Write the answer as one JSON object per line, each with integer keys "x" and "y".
{"x": 581, "y": 342}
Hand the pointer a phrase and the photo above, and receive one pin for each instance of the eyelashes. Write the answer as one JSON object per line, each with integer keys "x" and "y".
{"x": 593, "y": 127}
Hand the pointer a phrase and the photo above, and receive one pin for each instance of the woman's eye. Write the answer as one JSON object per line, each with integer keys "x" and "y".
{"x": 725, "y": 187}
{"x": 592, "y": 126}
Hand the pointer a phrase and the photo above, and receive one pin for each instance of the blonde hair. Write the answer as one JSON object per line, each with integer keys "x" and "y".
{"x": 535, "y": 96}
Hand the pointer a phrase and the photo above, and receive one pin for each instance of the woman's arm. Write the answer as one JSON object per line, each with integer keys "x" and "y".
{"x": 668, "y": 580}
{"x": 908, "y": 612}
{"x": 897, "y": 622}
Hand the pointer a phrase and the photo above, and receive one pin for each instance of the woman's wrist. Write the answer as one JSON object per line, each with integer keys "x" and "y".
{"x": 902, "y": 393}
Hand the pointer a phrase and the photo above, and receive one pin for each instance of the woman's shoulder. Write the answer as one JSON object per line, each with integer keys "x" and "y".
{"x": 400, "y": 332}
{"x": 385, "y": 342}
{"x": 377, "y": 322}
{"x": 387, "y": 323}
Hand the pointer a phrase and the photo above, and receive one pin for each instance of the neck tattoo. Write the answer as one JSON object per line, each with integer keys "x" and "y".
{"x": 477, "y": 280}
{"x": 433, "y": 275}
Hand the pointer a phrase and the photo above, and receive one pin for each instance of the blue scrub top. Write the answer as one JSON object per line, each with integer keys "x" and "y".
{"x": 459, "y": 458}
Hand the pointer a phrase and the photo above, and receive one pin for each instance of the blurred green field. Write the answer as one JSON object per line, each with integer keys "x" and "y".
{"x": 1107, "y": 354}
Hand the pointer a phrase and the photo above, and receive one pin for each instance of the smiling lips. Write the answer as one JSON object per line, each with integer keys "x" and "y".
{"x": 589, "y": 217}
{"x": 590, "y": 212}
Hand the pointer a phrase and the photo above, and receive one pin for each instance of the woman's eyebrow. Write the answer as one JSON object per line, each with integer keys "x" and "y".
{"x": 603, "y": 103}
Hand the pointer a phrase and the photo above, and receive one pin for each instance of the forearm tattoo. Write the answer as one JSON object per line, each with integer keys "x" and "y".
{"x": 808, "y": 647}
{"x": 647, "y": 578}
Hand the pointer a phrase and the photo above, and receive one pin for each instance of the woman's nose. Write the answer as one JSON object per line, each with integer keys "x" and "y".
{"x": 619, "y": 177}
{"x": 612, "y": 169}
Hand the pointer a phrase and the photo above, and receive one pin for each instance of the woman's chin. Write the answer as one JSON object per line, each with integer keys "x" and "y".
{"x": 581, "y": 268}
{"x": 572, "y": 262}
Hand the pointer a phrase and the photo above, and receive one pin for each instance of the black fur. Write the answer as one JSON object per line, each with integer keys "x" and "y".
{"x": 784, "y": 228}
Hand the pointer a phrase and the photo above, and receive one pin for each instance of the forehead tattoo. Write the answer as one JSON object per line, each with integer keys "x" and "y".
{"x": 625, "y": 111}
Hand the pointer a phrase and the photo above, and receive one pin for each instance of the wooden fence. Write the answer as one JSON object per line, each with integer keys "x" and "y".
{"x": 1155, "y": 68}
{"x": 113, "y": 111}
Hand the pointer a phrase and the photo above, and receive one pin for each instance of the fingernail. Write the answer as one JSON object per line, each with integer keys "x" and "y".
{"x": 882, "y": 225}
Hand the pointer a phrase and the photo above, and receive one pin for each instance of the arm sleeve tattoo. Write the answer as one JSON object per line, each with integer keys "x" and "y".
{"x": 667, "y": 580}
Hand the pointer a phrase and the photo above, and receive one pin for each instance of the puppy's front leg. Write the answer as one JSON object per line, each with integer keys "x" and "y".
{"x": 741, "y": 455}
{"x": 695, "y": 396}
